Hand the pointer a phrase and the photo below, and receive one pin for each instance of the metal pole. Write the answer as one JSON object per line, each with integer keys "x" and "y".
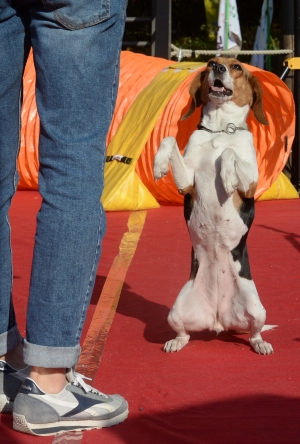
{"x": 226, "y": 23}
{"x": 287, "y": 37}
{"x": 161, "y": 29}
{"x": 296, "y": 145}
{"x": 269, "y": 35}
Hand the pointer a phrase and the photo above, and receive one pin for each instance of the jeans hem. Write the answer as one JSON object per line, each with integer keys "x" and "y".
{"x": 9, "y": 340}
{"x": 51, "y": 357}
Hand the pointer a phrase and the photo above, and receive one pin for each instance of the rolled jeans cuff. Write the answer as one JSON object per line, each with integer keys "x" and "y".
{"x": 51, "y": 357}
{"x": 9, "y": 340}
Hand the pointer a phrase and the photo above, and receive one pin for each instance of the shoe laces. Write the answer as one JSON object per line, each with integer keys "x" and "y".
{"x": 79, "y": 382}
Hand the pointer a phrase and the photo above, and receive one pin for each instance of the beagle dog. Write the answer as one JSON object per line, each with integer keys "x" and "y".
{"x": 218, "y": 176}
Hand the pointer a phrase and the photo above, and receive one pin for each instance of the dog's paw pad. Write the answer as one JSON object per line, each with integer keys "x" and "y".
{"x": 175, "y": 345}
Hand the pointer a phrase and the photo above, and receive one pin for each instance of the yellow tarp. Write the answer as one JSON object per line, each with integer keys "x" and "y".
{"x": 123, "y": 188}
{"x": 280, "y": 189}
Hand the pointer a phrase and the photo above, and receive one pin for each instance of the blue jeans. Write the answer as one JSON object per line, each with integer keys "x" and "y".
{"x": 76, "y": 45}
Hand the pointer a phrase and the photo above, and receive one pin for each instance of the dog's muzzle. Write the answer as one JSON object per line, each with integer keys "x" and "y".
{"x": 218, "y": 89}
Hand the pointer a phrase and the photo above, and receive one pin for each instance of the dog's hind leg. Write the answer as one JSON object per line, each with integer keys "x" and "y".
{"x": 176, "y": 321}
{"x": 182, "y": 338}
{"x": 256, "y": 341}
{"x": 257, "y": 316}
{"x": 260, "y": 346}
{"x": 175, "y": 345}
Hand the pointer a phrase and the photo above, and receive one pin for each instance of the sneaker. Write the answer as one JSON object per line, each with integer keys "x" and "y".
{"x": 10, "y": 383}
{"x": 77, "y": 407}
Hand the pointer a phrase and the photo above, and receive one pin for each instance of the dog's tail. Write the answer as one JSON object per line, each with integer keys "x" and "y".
{"x": 268, "y": 327}
{"x": 265, "y": 328}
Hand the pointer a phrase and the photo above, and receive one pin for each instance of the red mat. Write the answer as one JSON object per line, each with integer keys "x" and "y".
{"x": 216, "y": 390}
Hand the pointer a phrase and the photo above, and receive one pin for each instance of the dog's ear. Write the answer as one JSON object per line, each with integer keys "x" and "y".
{"x": 196, "y": 92}
{"x": 257, "y": 94}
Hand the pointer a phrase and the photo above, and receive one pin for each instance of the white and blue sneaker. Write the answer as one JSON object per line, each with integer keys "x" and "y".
{"x": 10, "y": 383}
{"x": 77, "y": 407}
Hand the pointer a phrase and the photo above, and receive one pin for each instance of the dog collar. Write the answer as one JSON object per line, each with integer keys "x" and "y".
{"x": 230, "y": 129}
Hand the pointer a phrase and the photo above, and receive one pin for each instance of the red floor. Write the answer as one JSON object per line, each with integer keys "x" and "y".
{"x": 216, "y": 390}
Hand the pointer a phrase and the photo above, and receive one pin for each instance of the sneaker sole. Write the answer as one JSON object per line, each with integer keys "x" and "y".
{"x": 21, "y": 425}
{"x": 6, "y": 406}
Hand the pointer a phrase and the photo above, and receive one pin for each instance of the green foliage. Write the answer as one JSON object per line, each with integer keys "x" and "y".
{"x": 206, "y": 39}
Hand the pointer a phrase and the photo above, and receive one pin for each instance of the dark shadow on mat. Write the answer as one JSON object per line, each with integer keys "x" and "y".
{"x": 224, "y": 336}
{"x": 259, "y": 419}
{"x": 132, "y": 305}
{"x": 154, "y": 316}
{"x": 98, "y": 287}
{"x": 292, "y": 238}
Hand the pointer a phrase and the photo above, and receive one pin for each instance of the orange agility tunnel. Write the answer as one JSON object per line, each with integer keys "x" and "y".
{"x": 153, "y": 96}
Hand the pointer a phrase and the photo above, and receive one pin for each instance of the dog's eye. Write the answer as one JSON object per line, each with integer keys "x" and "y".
{"x": 236, "y": 67}
{"x": 211, "y": 64}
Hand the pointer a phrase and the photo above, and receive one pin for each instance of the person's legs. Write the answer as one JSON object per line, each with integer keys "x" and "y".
{"x": 76, "y": 52}
{"x": 77, "y": 78}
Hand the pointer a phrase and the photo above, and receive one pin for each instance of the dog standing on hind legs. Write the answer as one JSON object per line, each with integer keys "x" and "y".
{"x": 218, "y": 176}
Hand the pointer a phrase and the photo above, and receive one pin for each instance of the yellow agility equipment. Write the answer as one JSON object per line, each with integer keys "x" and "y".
{"x": 280, "y": 189}
{"x": 123, "y": 188}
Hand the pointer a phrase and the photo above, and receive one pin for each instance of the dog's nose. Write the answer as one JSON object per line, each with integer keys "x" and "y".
{"x": 218, "y": 68}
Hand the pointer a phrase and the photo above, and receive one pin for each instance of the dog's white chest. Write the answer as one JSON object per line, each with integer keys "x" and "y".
{"x": 214, "y": 221}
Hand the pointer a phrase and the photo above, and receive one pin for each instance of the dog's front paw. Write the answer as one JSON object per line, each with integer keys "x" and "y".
{"x": 175, "y": 345}
{"x": 161, "y": 167}
{"x": 261, "y": 347}
{"x": 162, "y": 158}
{"x": 228, "y": 173}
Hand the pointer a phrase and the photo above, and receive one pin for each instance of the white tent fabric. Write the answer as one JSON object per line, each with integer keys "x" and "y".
{"x": 234, "y": 36}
